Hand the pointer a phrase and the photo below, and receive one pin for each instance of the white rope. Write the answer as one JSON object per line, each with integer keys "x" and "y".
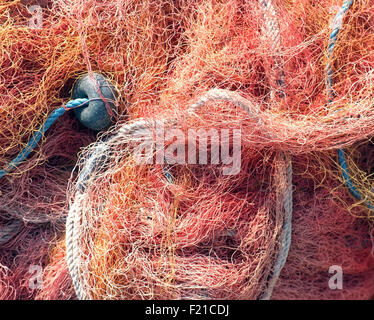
{"x": 272, "y": 31}
{"x": 74, "y": 223}
{"x": 285, "y": 236}
{"x": 271, "y": 26}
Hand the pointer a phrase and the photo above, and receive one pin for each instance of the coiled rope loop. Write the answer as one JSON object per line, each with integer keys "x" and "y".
{"x": 129, "y": 132}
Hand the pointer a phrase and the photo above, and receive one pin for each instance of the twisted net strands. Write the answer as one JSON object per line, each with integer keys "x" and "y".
{"x": 163, "y": 55}
{"x": 353, "y": 276}
{"x": 338, "y": 24}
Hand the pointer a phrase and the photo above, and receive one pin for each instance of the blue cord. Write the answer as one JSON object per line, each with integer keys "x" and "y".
{"x": 168, "y": 175}
{"x": 338, "y": 24}
{"x": 36, "y": 137}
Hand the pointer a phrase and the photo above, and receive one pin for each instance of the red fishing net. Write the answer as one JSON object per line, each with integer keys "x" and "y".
{"x": 147, "y": 231}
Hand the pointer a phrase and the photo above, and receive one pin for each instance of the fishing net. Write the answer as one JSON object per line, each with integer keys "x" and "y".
{"x": 6, "y": 287}
{"x": 22, "y": 260}
{"x": 325, "y": 234}
{"x": 38, "y": 68}
{"x": 200, "y": 235}
{"x": 148, "y": 231}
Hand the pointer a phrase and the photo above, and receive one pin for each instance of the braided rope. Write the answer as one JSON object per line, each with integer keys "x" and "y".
{"x": 285, "y": 236}
{"x": 37, "y": 136}
{"x": 272, "y": 31}
{"x": 336, "y": 27}
{"x": 73, "y": 225}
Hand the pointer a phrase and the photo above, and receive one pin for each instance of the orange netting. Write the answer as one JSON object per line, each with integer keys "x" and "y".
{"x": 200, "y": 234}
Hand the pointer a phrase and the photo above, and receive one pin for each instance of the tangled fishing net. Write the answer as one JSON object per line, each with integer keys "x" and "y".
{"x": 38, "y": 68}
{"x": 167, "y": 230}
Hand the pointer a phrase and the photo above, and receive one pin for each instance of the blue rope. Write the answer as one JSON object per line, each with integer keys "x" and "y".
{"x": 36, "y": 137}
{"x": 338, "y": 24}
{"x": 168, "y": 175}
